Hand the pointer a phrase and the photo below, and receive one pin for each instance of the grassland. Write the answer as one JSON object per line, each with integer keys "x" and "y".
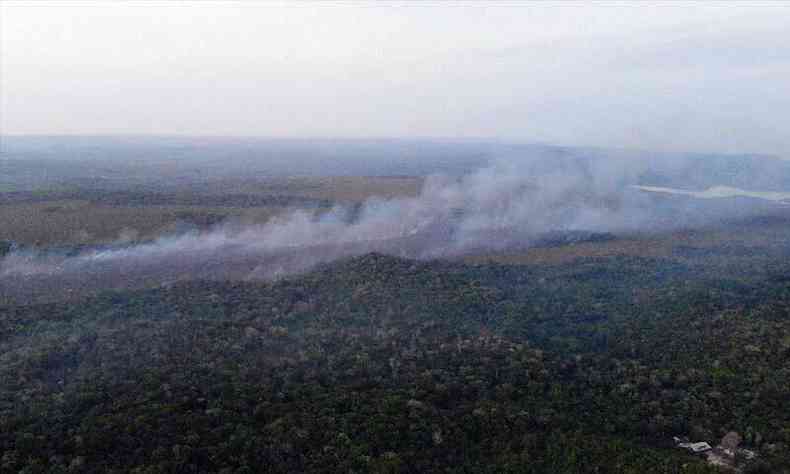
{"x": 84, "y": 222}
{"x": 346, "y": 189}
{"x": 94, "y": 216}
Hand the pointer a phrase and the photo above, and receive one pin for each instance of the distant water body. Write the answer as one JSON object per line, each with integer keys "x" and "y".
{"x": 716, "y": 192}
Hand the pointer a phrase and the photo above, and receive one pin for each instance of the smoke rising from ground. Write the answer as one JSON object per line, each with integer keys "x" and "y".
{"x": 507, "y": 204}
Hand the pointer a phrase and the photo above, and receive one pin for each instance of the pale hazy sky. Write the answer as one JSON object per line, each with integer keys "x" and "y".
{"x": 670, "y": 76}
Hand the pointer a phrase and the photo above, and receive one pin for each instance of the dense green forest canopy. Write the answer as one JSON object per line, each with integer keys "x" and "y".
{"x": 380, "y": 364}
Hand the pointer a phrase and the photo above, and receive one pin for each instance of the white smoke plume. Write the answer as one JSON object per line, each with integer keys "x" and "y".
{"x": 504, "y": 205}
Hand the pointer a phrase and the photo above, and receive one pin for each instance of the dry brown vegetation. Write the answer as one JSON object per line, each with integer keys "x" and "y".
{"x": 48, "y": 219}
{"x": 83, "y": 222}
{"x": 333, "y": 188}
{"x": 360, "y": 188}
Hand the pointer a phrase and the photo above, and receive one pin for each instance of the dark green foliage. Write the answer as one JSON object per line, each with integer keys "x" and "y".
{"x": 378, "y": 364}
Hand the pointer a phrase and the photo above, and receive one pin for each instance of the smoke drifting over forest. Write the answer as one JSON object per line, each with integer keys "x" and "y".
{"x": 511, "y": 203}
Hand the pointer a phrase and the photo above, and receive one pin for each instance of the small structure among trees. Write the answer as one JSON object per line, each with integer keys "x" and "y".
{"x": 696, "y": 448}
{"x": 727, "y": 454}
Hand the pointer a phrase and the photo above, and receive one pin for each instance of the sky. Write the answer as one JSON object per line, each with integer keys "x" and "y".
{"x": 673, "y": 76}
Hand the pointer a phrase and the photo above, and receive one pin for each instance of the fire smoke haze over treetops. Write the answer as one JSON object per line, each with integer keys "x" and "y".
{"x": 512, "y": 203}
{"x": 509, "y": 202}
{"x": 666, "y": 76}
